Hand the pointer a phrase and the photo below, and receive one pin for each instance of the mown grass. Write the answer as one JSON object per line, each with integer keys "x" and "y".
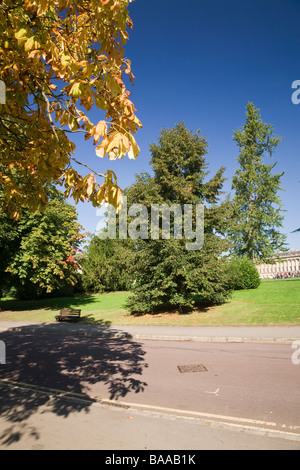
{"x": 275, "y": 302}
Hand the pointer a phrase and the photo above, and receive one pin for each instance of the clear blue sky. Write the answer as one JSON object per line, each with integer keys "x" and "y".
{"x": 201, "y": 62}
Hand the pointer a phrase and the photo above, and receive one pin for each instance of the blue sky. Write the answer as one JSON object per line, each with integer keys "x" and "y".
{"x": 201, "y": 62}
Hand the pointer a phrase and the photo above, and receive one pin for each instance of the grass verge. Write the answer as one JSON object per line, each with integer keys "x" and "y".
{"x": 275, "y": 302}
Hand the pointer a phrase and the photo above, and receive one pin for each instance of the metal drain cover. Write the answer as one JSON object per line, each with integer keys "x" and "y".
{"x": 192, "y": 368}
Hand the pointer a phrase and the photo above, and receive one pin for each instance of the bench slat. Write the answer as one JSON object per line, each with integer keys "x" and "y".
{"x": 69, "y": 314}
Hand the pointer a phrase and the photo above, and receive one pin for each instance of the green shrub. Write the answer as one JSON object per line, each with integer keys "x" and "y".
{"x": 242, "y": 274}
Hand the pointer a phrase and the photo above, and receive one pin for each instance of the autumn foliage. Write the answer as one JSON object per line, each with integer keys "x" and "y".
{"x": 58, "y": 60}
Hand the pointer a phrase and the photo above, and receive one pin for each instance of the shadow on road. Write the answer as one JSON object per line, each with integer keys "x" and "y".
{"x": 40, "y": 365}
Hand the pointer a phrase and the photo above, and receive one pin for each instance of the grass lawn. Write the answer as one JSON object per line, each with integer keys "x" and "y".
{"x": 275, "y": 302}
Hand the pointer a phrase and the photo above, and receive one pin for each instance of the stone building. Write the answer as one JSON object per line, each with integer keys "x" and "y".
{"x": 286, "y": 264}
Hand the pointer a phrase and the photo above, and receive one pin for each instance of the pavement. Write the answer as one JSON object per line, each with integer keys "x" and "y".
{"x": 224, "y": 334}
{"x": 136, "y": 427}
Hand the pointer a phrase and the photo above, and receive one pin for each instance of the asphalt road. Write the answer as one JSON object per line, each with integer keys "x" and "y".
{"x": 124, "y": 393}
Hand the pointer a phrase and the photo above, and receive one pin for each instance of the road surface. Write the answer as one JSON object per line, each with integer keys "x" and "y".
{"x": 123, "y": 393}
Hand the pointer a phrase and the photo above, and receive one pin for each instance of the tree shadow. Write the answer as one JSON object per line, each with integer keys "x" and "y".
{"x": 89, "y": 319}
{"x": 48, "y": 303}
{"x": 64, "y": 373}
{"x": 171, "y": 310}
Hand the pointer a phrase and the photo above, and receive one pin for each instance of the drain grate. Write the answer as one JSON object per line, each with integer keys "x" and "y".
{"x": 192, "y": 368}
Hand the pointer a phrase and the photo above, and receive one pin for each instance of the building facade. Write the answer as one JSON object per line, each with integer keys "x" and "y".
{"x": 286, "y": 264}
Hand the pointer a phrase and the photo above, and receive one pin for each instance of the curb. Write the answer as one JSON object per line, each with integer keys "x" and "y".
{"x": 217, "y": 339}
{"x": 125, "y": 335}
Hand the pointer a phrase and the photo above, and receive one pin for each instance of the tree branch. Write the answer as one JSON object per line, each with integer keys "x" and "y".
{"x": 54, "y": 130}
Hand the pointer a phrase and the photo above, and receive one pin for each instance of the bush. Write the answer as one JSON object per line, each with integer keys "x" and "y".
{"x": 242, "y": 274}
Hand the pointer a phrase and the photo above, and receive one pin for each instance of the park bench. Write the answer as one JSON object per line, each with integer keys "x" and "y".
{"x": 69, "y": 314}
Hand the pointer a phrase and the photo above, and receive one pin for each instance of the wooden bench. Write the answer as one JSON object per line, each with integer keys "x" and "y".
{"x": 69, "y": 314}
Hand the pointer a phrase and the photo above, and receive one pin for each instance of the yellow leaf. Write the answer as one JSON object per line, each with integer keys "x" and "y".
{"x": 114, "y": 141}
{"x": 113, "y": 154}
{"x": 100, "y": 194}
{"x": 33, "y": 53}
{"x": 75, "y": 89}
{"x": 119, "y": 200}
{"x": 113, "y": 86}
{"x": 134, "y": 150}
{"x": 124, "y": 36}
{"x": 90, "y": 184}
{"x": 100, "y": 130}
{"x": 20, "y": 33}
{"x": 29, "y": 44}
{"x": 65, "y": 59}
{"x": 100, "y": 152}
{"x": 42, "y": 6}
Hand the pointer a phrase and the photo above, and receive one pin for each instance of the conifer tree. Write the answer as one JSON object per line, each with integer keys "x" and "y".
{"x": 166, "y": 274}
{"x": 257, "y": 219}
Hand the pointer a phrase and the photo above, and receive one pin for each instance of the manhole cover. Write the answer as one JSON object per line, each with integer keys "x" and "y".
{"x": 192, "y": 368}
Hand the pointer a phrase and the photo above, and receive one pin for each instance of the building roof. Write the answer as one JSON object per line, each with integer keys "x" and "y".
{"x": 287, "y": 254}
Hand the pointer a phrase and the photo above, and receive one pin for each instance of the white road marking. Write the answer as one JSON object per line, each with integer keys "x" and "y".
{"x": 214, "y": 393}
{"x": 285, "y": 431}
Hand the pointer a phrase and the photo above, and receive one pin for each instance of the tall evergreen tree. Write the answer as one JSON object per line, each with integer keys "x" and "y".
{"x": 257, "y": 219}
{"x": 166, "y": 273}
